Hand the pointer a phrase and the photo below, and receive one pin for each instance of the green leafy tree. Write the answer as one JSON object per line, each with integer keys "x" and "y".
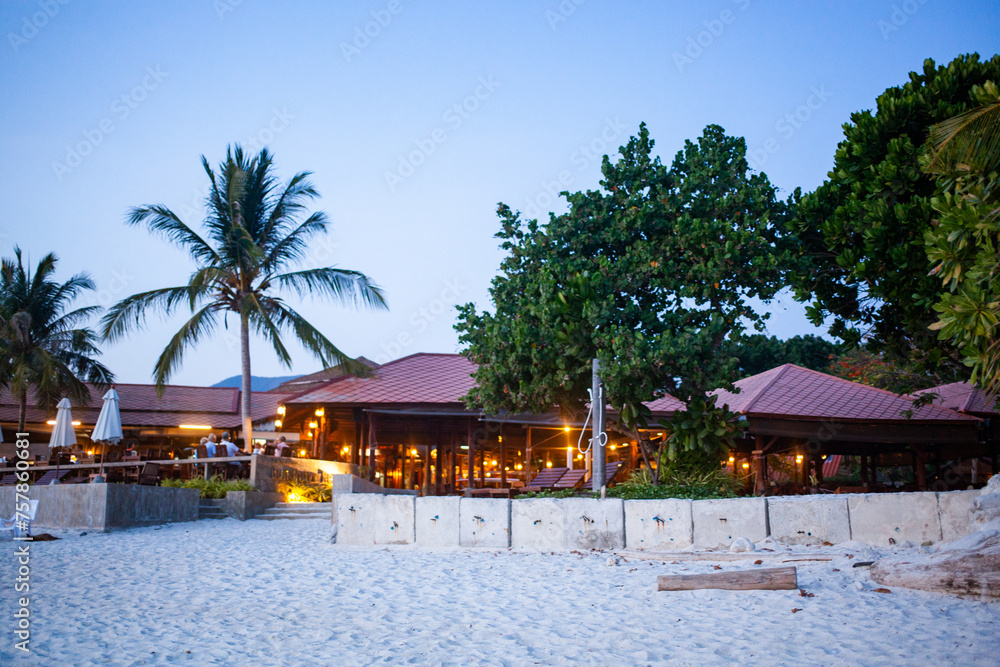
{"x": 881, "y": 371}
{"x": 758, "y": 353}
{"x": 964, "y": 244}
{"x": 651, "y": 274}
{"x": 256, "y": 230}
{"x": 860, "y": 235}
{"x": 44, "y": 349}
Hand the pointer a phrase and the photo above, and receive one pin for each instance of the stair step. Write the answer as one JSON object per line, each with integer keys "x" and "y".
{"x": 289, "y": 517}
{"x": 304, "y": 505}
{"x": 296, "y": 510}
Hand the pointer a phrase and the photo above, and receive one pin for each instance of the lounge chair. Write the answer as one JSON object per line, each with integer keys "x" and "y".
{"x": 51, "y": 476}
{"x": 11, "y": 524}
{"x": 545, "y": 480}
{"x": 9, "y": 479}
{"x": 571, "y": 480}
{"x": 150, "y": 475}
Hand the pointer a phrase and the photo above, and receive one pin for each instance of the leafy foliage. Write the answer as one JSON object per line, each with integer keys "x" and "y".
{"x": 43, "y": 346}
{"x": 884, "y": 372}
{"x": 964, "y": 244}
{"x": 216, "y": 487}
{"x": 758, "y": 353}
{"x": 704, "y": 485}
{"x": 296, "y": 491}
{"x": 861, "y": 233}
{"x": 650, "y": 274}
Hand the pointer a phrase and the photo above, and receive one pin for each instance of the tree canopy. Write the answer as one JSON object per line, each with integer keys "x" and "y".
{"x": 257, "y": 230}
{"x": 758, "y": 353}
{"x": 860, "y": 235}
{"x": 651, "y": 273}
{"x": 45, "y": 347}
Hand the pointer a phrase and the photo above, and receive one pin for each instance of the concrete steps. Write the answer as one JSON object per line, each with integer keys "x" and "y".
{"x": 211, "y": 509}
{"x": 297, "y": 511}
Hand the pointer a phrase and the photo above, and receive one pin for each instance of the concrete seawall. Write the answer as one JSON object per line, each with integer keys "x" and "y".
{"x": 548, "y": 524}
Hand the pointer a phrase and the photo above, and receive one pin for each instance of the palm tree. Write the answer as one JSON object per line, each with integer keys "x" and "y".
{"x": 254, "y": 232}
{"x": 42, "y": 346}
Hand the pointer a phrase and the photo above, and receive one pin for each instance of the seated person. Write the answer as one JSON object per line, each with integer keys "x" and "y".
{"x": 258, "y": 448}
{"x": 210, "y": 445}
{"x": 281, "y": 446}
{"x": 231, "y": 448}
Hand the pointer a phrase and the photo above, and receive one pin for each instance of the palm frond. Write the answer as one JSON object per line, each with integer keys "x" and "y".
{"x": 161, "y": 220}
{"x": 258, "y": 315}
{"x": 201, "y": 323}
{"x": 311, "y": 338}
{"x": 348, "y": 287}
{"x": 970, "y": 141}
{"x": 130, "y": 313}
{"x": 292, "y": 248}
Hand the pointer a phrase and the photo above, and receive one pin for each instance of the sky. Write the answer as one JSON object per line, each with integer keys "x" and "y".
{"x": 416, "y": 119}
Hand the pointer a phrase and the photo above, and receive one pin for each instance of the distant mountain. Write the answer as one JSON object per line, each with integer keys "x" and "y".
{"x": 257, "y": 383}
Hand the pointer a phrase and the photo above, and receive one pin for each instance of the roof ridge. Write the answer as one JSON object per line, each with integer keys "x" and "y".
{"x": 760, "y": 392}
{"x": 905, "y": 397}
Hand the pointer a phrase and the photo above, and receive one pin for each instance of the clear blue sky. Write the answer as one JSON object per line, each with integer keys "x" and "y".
{"x": 110, "y": 105}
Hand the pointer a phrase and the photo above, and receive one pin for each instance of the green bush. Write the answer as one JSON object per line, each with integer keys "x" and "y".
{"x": 561, "y": 493}
{"x": 216, "y": 487}
{"x": 305, "y": 492}
{"x": 693, "y": 485}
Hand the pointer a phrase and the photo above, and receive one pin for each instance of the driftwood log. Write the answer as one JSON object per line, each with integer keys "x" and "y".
{"x": 766, "y": 579}
{"x": 724, "y": 556}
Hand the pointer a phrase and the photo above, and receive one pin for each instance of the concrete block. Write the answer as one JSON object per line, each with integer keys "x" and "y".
{"x": 658, "y": 525}
{"x": 371, "y": 518}
{"x": 484, "y": 522}
{"x": 591, "y": 523}
{"x": 438, "y": 521}
{"x": 809, "y": 519}
{"x": 718, "y": 522}
{"x": 954, "y": 508}
{"x": 536, "y": 524}
{"x": 877, "y": 518}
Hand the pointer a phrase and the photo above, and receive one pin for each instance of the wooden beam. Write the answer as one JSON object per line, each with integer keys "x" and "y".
{"x": 503, "y": 459}
{"x": 767, "y": 579}
{"x": 471, "y": 476}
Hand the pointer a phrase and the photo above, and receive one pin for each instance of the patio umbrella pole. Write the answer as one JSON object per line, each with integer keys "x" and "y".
{"x": 599, "y": 437}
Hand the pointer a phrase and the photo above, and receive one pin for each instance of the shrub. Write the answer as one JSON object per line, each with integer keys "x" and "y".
{"x": 216, "y": 487}
{"x": 296, "y": 491}
{"x": 704, "y": 485}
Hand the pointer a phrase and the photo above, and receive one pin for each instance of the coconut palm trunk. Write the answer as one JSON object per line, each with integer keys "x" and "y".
{"x": 22, "y": 410}
{"x": 246, "y": 394}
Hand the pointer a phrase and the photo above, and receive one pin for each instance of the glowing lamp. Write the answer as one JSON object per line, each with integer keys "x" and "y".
{"x": 313, "y": 425}
{"x": 281, "y": 409}
{"x": 319, "y": 412}
{"x": 548, "y": 464}
{"x": 277, "y": 423}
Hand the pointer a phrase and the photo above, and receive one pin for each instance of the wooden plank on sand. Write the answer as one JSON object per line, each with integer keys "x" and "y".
{"x": 724, "y": 556}
{"x": 768, "y": 579}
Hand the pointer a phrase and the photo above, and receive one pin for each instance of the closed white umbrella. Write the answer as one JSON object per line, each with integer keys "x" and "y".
{"x": 108, "y": 427}
{"x": 63, "y": 434}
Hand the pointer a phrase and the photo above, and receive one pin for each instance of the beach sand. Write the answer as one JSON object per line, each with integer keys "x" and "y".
{"x": 279, "y": 592}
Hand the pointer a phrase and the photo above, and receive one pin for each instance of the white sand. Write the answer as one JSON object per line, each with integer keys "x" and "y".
{"x": 278, "y": 592}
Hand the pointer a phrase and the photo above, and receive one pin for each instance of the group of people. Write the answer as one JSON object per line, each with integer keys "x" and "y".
{"x": 232, "y": 449}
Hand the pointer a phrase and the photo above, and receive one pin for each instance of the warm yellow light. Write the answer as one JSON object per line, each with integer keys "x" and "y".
{"x": 196, "y": 427}
{"x": 612, "y": 448}
{"x": 660, "y": 434}
{"x": 294, "y": 498}
{"x": 519, "y": 466}
{"x": 566, "y": 428}
{"x": 506, "y": 467}
{"x": 798, "y": 459}
{"x": 824, "y": 456}
{"x": 493, "y": 463}
{"x": 732, "y": 459}
{"x": 548, "y": 464}
{"x": 302, "y": 452}
{"x": 413, "y": 451}
{"x": 90, "y": 452}
{"x": 319, "y": 412}
{"x": 378, "y": 474}
{"x": 313, "y": 425}
{"x": 281, "y": 409}
{"x": 745, "y": 465}
{"x": 499, "y": 438}
{"x": 277, "y": 423}
{"x": 487, "y": 474}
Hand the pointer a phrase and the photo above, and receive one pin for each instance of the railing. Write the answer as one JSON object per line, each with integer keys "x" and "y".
{"x": 131, "y": 464}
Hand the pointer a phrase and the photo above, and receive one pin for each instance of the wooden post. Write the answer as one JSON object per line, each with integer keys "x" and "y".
{"x": 768, "y": 579}
{"x": 372, "y": 446}
{"x": 865, "y": 473}
{"x": 453, "y": 464}
{"x": 819, "y": 469}
{"x": 471, "y": 476}
{"x": 527, "y": 458}
{"x": 438, "y": 460}
{"x": 759, "y": 462}
{"x": 356, "y": 447}
{"x": 425, "y": 488}
{"x": 503, "y": 460}
{"x": 482, "y": 464}
{"x": 919, "y": 467}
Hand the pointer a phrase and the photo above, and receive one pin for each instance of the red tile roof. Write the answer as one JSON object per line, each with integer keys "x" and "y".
{"x": 418, "y": 378}
{"x": 793, "y": 392}
{"x": 139, "y": 405}
{"x": 963, "y": 397}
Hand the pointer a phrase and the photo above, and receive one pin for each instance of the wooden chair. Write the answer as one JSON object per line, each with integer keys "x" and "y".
{"x": 570, "y": 480}
{"x": 220, "y": 468}
{"x": 611, "y": 471}
{"x": 268, "y": 450}
{"x": 51, "y": 475}
{"x": 150, "y": 475}
{"x": 545, "y": 479}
